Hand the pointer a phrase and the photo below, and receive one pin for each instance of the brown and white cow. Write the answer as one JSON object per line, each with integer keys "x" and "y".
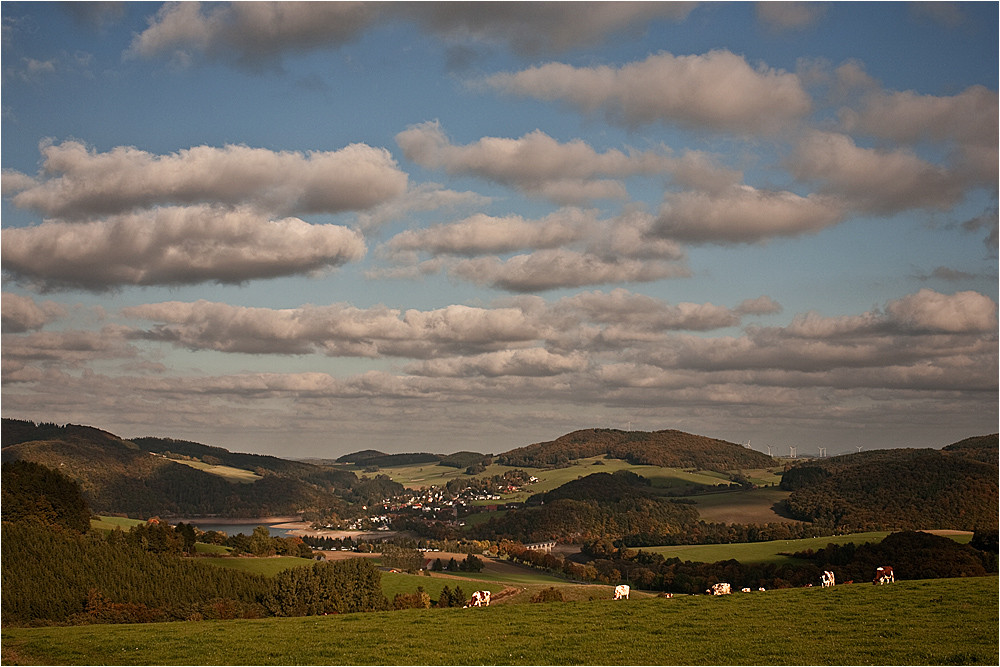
{"x": 884, "y": 575}
{"x": 480, "y": 599}
{"x": 828, "y": 579}
{"x": 720, "y": 589}
{"x": 621, "y": 592}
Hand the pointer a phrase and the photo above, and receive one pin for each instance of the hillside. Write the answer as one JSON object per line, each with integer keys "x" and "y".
{"x": 669, "y": 448}
{"x": 955, "y": 487}
{"x": 120, "y": 476}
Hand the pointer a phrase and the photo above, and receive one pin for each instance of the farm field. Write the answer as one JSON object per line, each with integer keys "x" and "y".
{"x": 266, "y": 566}
{"x": 943, "y": 621}
{"x": 228, "y": 473}
{"x": 770, "y": 552}
{"x": 754, "y": 506}
{"x": 426, "y": 474}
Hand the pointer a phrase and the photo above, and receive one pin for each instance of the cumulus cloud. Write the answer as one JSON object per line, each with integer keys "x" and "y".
{"x": 251, "y": 34}
{"x": 484, "y": 234}
{"x": 257, "y": 35}
{"x": 930, "y": 311}
{"x": 533, "y": 362}
{"x": 560, "y": 267}
{"x": 790, "y": 15}
{"x": 718, "y": 90}
{"x": 21, "y": 313}
{"x": 537, "y": 164}
{"x": 542, "y": 27}
{"x": 336, "y": 330}
{"x": 79, "y": 182}
{"x": 743, "y": 215}
{"x": 873, "y": 180}
{"x": 173, "y": 246}
{"x": 422, "y": 197}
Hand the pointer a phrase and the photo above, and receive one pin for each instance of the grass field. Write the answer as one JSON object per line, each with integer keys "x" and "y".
{"x": 770, "y": 552}
{"x": 549, "y": 478}
{"x": 930, "y": 622}
{"x": 113, "y": 522}
{"x": 237, "y": 475}
{"x": 266, "y": 566}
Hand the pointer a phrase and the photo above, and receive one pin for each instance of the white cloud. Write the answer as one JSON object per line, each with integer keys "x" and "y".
{"x": 78, "y": 182}
{"x": 718, "y": 90}
{"x": 556, "y": 268}
{"x": 259, "y": 34}
{"x": 537, "y": 164}
{"x": 743, "y": 215}
{"x": 484, "y": 234}
{"x": 790, "y": 15}
{"x": 21, "y": 313}
{"x": 869, "y": 179}
{"x": 173, "y": 246}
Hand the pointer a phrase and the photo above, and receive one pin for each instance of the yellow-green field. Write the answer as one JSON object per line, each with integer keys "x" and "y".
{"x": 113, "y": 523}
{"x": 770, "y": 552}
{"x": 238, "y": 475}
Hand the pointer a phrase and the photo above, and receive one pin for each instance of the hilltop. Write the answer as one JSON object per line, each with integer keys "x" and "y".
{"x": 668, "y": 448}
{"x": 148, "y": 476}
{"x": 954, "y": 487}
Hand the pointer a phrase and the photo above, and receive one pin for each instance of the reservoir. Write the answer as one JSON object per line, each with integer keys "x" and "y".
{"x": 236, "y": 526}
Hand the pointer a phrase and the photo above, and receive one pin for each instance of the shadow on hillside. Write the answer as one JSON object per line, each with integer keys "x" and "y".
{"x": 781, "y": 509}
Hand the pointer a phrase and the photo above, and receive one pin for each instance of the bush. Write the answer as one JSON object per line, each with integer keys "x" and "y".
{"x": 550, "y": 594}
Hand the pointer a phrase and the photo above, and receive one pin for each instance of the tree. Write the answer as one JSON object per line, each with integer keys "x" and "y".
{"x": 32, "y": 492}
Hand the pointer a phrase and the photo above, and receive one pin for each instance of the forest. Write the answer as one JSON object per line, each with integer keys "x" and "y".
{"x": 668, "y": 448}
{"x": 955, "y": 487}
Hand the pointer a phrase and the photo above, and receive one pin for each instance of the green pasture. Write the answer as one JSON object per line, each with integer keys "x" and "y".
{"x": 928, "y": 622}
{"x": 427, "y": 474}
{"x": 266, "y": 566}
{"x": 770, "y": 552}
{"x": 217, "y": 549}
{"x": 237, "y": 475}
{"x": 753, "y": 506}
{"x": 113, "y": 523}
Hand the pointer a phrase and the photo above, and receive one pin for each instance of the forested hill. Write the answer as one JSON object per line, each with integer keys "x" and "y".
{"x": 954, "y": 487}
{"x": 672, "y": 449}
{"x": 119, "y": 476}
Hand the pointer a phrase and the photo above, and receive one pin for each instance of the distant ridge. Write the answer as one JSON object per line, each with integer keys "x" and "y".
{"x": 668, "y": 448}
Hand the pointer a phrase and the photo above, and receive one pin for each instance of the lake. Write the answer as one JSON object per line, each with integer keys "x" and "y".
{"x": 236, "y": 526}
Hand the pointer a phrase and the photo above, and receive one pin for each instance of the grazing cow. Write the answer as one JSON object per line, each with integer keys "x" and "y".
{"x": 883, "y": 575}
{"x": 480, "y": 599}
{"x": 720, "y": 589}
{"x": 744, "y": 590}
{"x": 761, "y": 589}
{"x": 828, "y": 579}
{"x": 621, "y": 592}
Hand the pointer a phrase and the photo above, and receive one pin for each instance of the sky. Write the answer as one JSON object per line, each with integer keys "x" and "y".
{"x": 310, "y": 229}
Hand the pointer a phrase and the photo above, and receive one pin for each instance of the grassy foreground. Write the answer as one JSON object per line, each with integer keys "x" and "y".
{"x": 939, "y": 622}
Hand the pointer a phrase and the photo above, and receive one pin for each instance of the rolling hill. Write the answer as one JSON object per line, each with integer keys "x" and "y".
{"x": 138, "y": 479}
{"x": 954, "y": 487}
{"x": 669, "y": 448}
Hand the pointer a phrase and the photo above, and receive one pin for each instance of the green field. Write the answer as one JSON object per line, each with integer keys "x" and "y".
{"x": 113, "y": 522}
{"x": 266, "y": 566}
{"x": 770, "y": 552}
{"x": 427, "y": 474}
{"x": 238, "y": 475}
{"x": 929, "y": 622}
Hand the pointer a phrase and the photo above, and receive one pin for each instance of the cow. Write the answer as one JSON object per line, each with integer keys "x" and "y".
{"x": 744, "y": 590}
{"x": 480, "y": 599}
{"x": 884, "y": 575}
{"x": 828, "y": 579}
{"x": 720, "y": 589}
{"x": 621, "y": 592}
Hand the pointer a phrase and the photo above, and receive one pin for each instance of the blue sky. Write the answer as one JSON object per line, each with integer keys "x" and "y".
{"x": 309, "y": 229}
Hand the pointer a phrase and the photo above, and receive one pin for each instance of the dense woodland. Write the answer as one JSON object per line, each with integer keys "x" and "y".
{"x": 671, "y": 449}
{"x": 955, "y": 487}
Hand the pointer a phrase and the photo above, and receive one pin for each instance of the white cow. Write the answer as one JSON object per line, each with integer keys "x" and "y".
{"x": 480, "y": 599}
{"x": 828, "y": 579}
{"x": 621, "y": 592}
{"x": 744, "y": 590}
{"x": 720, "y": 589}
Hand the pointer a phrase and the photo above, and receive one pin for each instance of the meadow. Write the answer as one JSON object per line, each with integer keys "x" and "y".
{"x": 417, "y": 476}
{"x": 940, "y": 622}
{"x": 771, "y": 552}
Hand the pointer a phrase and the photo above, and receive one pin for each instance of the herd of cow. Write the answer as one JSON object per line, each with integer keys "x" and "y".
{"x": 883, "y": 575}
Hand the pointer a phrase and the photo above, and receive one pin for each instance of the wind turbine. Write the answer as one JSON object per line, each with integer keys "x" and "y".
{"x": 791, "y": 452}
{"x": 859, "y": 448}
{"x": 768, "y": 449}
